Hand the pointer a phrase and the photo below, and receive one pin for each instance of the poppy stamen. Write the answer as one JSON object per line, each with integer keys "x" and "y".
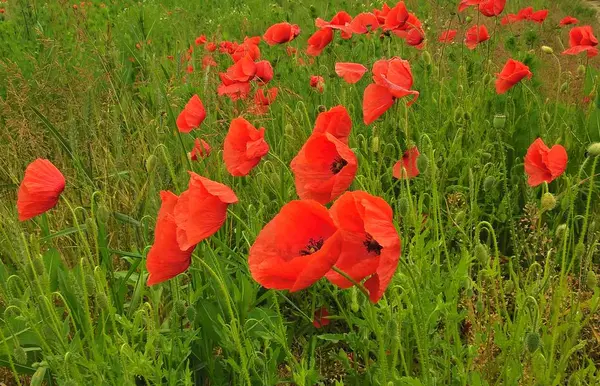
{"x": 372, "y": 245}
{"x": 338, "y": 164}
{"x": 312, "y": 247}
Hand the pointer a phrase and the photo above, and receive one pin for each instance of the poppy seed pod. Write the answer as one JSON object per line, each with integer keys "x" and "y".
{"x": 532, "y": 341}
{"x": 488, "y": 183}
{"x": 321, "y": 109}
{"x": 594, "y": 149}
{"x": 547, "y": 50}
{"x": 499, "y": 121}
{"x": 591, "y": 280}
{"x": 548, "y": 201}
{"x": 422, "y": 163}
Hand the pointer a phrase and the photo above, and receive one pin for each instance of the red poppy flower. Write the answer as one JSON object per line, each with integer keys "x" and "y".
{"x": 40, "y": 189}
{"x": 411, "y": 31}
{"x": 208, "y": 61}
{"x": 376, "y": 101}
{"x": 476, "y": 35}
{"x": 363, "y": 23}
{"x": 227, "y": 47}
{"x": 336, "y": 121}
{"x": 582, "y": 39}
{"x": 189, "y": 69}
{"x": 317, "y": 82}
{"x": 243, "y": 70}
{"x": 351, "y": 72}
{"x": 491, "y": 8}
{"x": 512, "y": 73}
{"x": 447, "y": 36}
{"x": 382, "y": 13}
{"x": 406, "y": 167}
{"x": 192, "y": 115}
{"x": 211, "y": 47}
{"x": 395, "y": 74}
{"x": 296, "y": 248}
{"x": 244, "y": 147}
{"x": 264, "y": 71}
{"x": 201, "y": 210}
{"x": 539, "y": 16}
{"x": 568, "y": 20}
{"x": 339, "y": 22}
{"x": 200, "y": 40}
{"x": 396, "y": 17}
{"x": 318, "y": 41}
{"x": 320, "y": 319}
{"x": 543, "y": 164}
{"x": 371, "y": 245}
{"x": 165, "y": 259}
{"x": 324, "y": 168}
{"x": 201, "y": 149}
{"x": 262, "y": 100}
{"x": 510, "y": 19}
{"x": 281, "y": 33}
{"x": 234, "y": 90}
{"x": 244, "y": 50}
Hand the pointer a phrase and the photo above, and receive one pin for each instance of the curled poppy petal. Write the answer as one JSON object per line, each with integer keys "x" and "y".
{"x": 281, "y": 33}
{"x": 192, "y": 115}
{"x": 264, "y": 71}
{"x": 376, "y": 101}
{"x": 363, "y": 23}
{"x": 40, "y": 189}
{"x": 447, "y": 36}
{"x": 243, "y": 70}
{"x": 320, "y": 319}
{"x": 350, "y": 72}
{"x": 318, "y": 41}
{"x": 406, "y": 167}
{"x": 262, "y": 100}
{"x": 336, "y": 121}
{"x": 543, "y": 164}
{"x": 582, "y": 39}
{"x": 512, "y": 73}
{"x": 201, "y": 149}
{"x": 244, "y": 147}
{"x": 475, "y": 35}
{"x": 568, "y": 20}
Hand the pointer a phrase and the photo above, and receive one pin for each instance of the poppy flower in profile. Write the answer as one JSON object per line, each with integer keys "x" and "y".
{"x": 201, "y": 210}
{"x": 40, "y": 189}
{"x": 208, "y": 61}
{"x": 582, "y": 39}
{"x": 338, "y": 22}
{"x": 539, "y": 16}
{"x": 376, "y": 101}
{"x": 512, "y": 73}
{"x": 210, "y": 47}
{"x": 317, "y": 82}
{"x": 363, "y": 23}
{"x": 165, "y": 259}
{"x": 296, "y": 248}
{"x": 281, "y": 33}
{"x": 192, "y": 115}
{"x": 264, "y": 72}
{"x": 568, "y": 20}
{"x": 200, "y": 40}
{"x": 321, "y": 319}
{"x": 324, "y": 168}
{"x": 396, "y": 17}
{"x": 201, "y": 149}
{"x": 491, "y": 8}
{"x": 262, "y": 100}
{"x": 350, "y": 72}
{"x": 447, "y": 36}
{"x": 406, "y": 167}
{"x": 543, "y": 164}
{"x": 371, "y": 245}
{"x": 336, "y": 121}
{"x": 243, "y": 70}
{"x": 244, "y": 147}
{"x": 318, "y": 41}
{"x": 475, "y": 35}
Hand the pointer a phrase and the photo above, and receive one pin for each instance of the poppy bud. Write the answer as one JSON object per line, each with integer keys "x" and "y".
{"x": 91, "y": 227}
{"x": 479, "y": 307}
{"x": 548, "y": 201}
{"x": 486, "y": 79}
{"x": 90, "y": 284}
{"x": 499, "y": 121}
{"x": 581, "y": 70}
{"x": 20, "y": 355}
{"x": 354, "y": 300}
{"x": 321, "y": 109}
{"x": 592, "y": 228}
{"x": 468, "y": 19}
{"x": 102, "y": 301}
{"x": 481, "y": 253}
{"x": 591, "y": 280}
{"x": 470, "y": 292}
{"x": 103, "y": 214}
{"x": 191, "y": 314}
{"x": 594, "y": 149}
{"x": 467, "y": 116}
{"x": 313, "y": 12}
{"x": 375, "y": 144}
{"x": 289, "y": 129}
{"x": 546, "y": 117}
{"x": 547, "y": 50}
{"x": 509, "y": 286}
{"x": 422, "y": 163}
{"x": 532, "y": 341}
{"x": 150, "y": 163}
{"x": 579, "y": 250}
{"x": 486, "y": 156}
{"x": 564, "y": 87}
{"x": 179, "y": 307}
{"x": 488, "y": 183}
{"x": 561, "y": 230}
{"x": 458, "y": 114}
{"x": 403, "y": 206}
{"x": 426, "y": 57}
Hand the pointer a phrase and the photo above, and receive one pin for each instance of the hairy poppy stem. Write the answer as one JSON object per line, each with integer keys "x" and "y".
{"x": 350, "y": 279}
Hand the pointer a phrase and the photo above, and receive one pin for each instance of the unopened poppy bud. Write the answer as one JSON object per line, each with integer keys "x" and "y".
{"x": 460, "y": 216}
{"x": 486, "y": 79}
{"x": 322, "y": 108}
{"x": 468, "y": 19}
{"x": 592, "y": 228}
{"x": 20, "y": 355}
{"x": 354, "y": 300}
{"x": 581, "y": 70}
{"x": 289, "y": 129}
{"x": 91, "y": 227}
{"x": 548, "y": 201}
{"x": 579, "y": 250}
{"x": 594, "y": 149}
{"x": 546, "y": 117}
{"x": 179, "y": 307}
{"x": 191, "y": 314}
{"x": 591, "y": 280}
{"x": 561, "y": 230}
{"x": 564, "y": 87}
{"x": 488, "y": 183}
{"x": 426, "y": 58}
{"x": 403, "y": 206}
{"x": 422, "y": 163}
{"x": 481, "y": 253}
{"x": 458, "y": 114}
{"x": 499, "y": 121}
{"x": 479, "y": 307}
{"x": 150, "y": 163}
{"x": 102, "y": 301}
{"x": 532, "y": 341}
{"x": 486, "y": 156}
{"x": 509, "y": 286}
{"x": 467, "y": 116}
{"x": 547, "y": 50}
{"x": 375, "y": 144}
{"x": 103, "y": 214}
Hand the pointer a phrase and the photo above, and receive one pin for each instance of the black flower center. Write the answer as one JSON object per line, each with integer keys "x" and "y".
{"x": 372, "y": 245}
{"x": 312, "y": 247}
{"x": 338, "y": 164}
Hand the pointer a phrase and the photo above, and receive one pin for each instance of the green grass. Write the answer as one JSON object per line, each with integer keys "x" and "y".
{"x": 490, "y": 289}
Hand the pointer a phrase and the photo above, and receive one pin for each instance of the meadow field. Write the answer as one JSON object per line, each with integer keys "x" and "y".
{"x": 281, "y": 192}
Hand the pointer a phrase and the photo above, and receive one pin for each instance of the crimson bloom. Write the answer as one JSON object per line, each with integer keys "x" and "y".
{"x": 491, "y": 8}
{"x": 320, "y": 319}
{"x": 382, "y": 13}
{"x": 40, "y": 189}
{"x": 476, "y": 35}
{"x": 363, "y": 23}
{"x": 412, "y": 32}
{"x": 264, "y": 72}
{"x": 512, "y": 73}
{"x": 200, "y": 40}
{"x": 262, "y": 100}
{"x": 317, "y": 82}
{"x": 338, "y": 22}
{"x": 350, "y": 72}
{"x": 201, "y": 210}
{"x": 406, "y": 167}
{"x": 336, "y": 121}
{"x": 447, "y": 36}
{"x": 201, "y": 149}
{"x": 324, "y": 168}
{"x": 165, "y": 259}
{"x": 371, "y": 245}
{"x": 234, "y": 90}
{"x": 568, "y": 20}
{"x": 396, "y": 17}
{"x": 296, "y": 248}
{"x": 243, "y": 70}
{"x": 582, "y": 39}
{"x": 210, "y": 47}
{"x": 192, "y": 115}
{"x": 543, "y": 164}
{"x": 248, "y": 48}
{"x": 281, "y": 33}
{"x": 244, "y": 147}
{"x": 318, "y": 41}
{"x": 526, "y": 14}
